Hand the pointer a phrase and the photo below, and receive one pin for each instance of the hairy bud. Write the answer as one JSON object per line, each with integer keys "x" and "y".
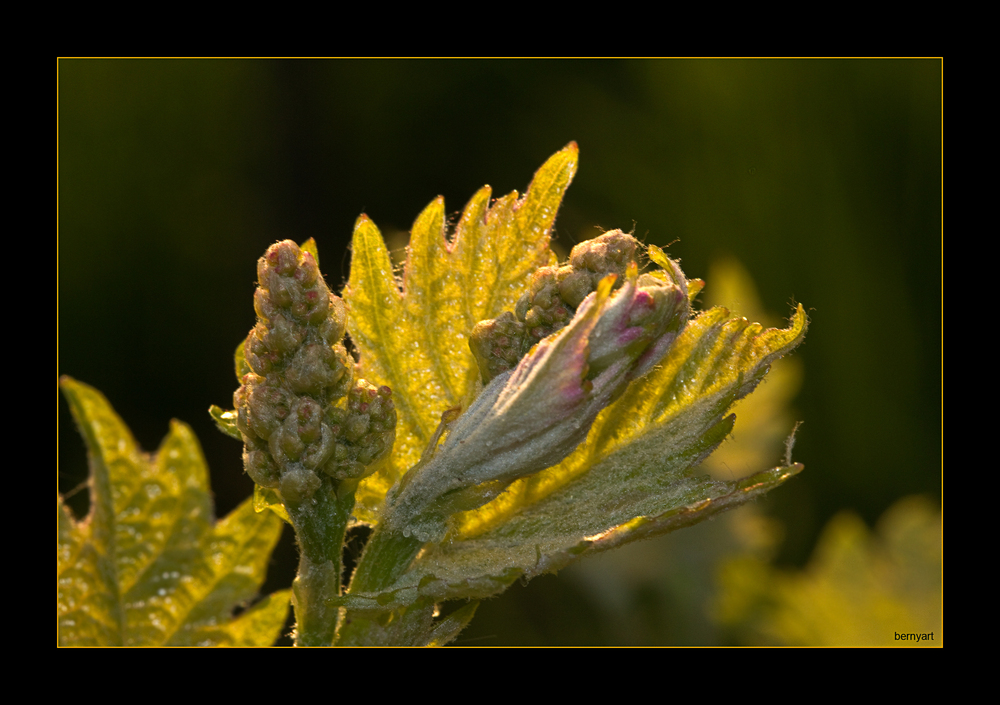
{"x": 301, "y": 413}
{"x": 551, "y": 301}
{"x": 365, "y": 432}
{"x": 532, "y": 416}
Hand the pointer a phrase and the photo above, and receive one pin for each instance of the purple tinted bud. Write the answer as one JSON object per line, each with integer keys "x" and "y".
{"x": 283, "y": 257}
{"x": 531, "y": 417}
{"x": 637, "y": 318}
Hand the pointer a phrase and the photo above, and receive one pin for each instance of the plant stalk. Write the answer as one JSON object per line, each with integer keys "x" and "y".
{"x": 387, "y": 556}
{"x": 320, "y": 524}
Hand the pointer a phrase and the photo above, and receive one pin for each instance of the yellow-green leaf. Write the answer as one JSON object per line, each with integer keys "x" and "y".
{"x": 764, "y": 417}
{"x": 225, "y": 421}
{"x": 150, "y": 565}
{"x": 413, "y": 334}
{"x": 680, "y": 405}
{"x": 629, "y": 480}
{"x": 535, "y": 542}
{"x": 310, "y": 247}
{"x": 861, "y": 588}
{"x": 240, "y": 362}
{"x": 265, "y": 499}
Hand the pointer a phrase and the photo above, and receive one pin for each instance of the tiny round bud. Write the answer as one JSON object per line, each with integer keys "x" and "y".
{"x": 289, "y": 442}
{"x": 280, "y": 291}
{"x": 609, "y": 253}
{"x": 313, "y": 368}
{"x": 575, "y": 288}
{"x": 333, "y": 327}
{"x": 308, "y": 417}
{"x": 298, "y": 484}
{"x": 263, "y": 305}
{"x": 320, "y": 451}
{"x": 243, "y": 422}
{"x": 260, "y": 468}
{"x": 318, "y": 302}
{"x": 283, "y": 257}
{"x": 283, "y": 336}
{"x": 307, "y": 272}
{"x": 268, "y": 406}
{"x": 356, "y": 426}
{"x": 366, "y": 454}
{"x": 497, "y": 343}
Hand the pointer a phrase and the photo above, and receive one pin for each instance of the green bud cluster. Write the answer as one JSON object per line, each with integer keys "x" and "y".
{"x": 300, "y": 411}
{"x": 550, "y": 302}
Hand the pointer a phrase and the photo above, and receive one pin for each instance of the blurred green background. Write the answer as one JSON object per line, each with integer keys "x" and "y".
{"x": 821, "y": 177}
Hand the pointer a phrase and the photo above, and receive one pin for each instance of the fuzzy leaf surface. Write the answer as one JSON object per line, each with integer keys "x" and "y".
{"x": 630, "y": 479}
{"x": 413, "y": 335}
{"x": 414, "y": 625}
{"x": 150, "y": 565}
{"x": 665, "y": 423}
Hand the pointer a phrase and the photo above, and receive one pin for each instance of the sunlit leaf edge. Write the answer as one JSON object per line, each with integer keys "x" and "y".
{"x": 493, "y": 251}
{"x": 104, "y": 430}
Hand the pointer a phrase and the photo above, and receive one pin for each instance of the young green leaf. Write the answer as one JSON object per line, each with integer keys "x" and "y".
{"x": 628, "y": 480}
{"x": 679, "y": 406}
{"x": 412, "y": 625}
{"x": 150, "y": 565}
{"x": 533, "y": 544}
{"x": 415, "y": 337}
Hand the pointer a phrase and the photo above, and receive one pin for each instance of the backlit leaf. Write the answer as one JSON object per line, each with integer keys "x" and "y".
{"x": 665, "y": 422}
{"x": 413, "y": 335}
{"x": 764, "y": 417}
{"x": 531, "y": 543}
{"x": 150, "y": 565}
{"x": 629, "y": 480}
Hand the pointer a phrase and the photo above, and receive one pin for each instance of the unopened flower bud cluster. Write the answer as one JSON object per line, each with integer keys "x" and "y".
{"x": 301, "y": 413}
{"x": 550, "y": 302}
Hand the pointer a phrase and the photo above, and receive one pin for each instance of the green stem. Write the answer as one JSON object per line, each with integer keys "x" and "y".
{"x": 386, "y": 557}
{"x": 320, "y": 524}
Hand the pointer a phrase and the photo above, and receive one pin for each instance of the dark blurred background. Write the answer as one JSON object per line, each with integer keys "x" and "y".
{"x": 822, "y": 177}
